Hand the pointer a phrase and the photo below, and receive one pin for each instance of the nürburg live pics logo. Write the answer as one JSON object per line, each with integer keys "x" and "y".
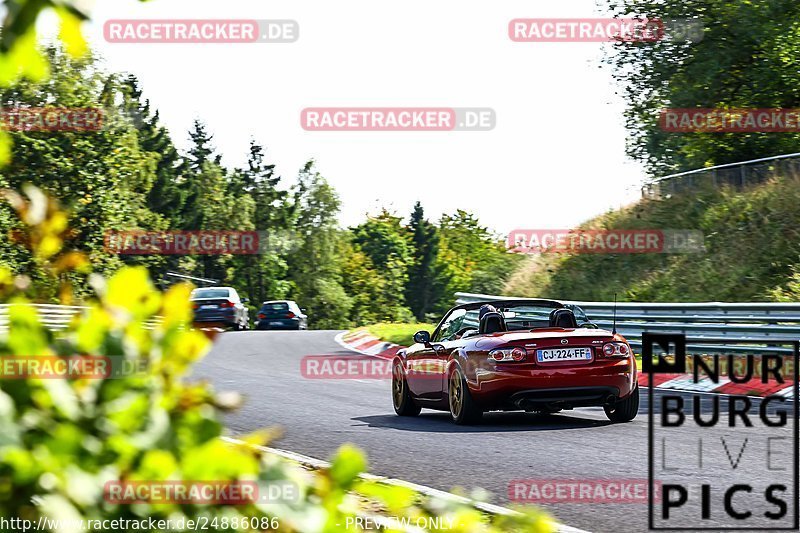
{"x": 723, "y": 462}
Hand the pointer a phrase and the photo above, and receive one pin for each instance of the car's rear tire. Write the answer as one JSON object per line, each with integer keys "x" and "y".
{"x": 463, "y": 410}
{"x": 401, "y": 397}
{"x": 624, "y": 410}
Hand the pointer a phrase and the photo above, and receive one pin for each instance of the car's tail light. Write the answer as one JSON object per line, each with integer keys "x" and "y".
{"x": 262, "y": 316}
{"x": 227, "y": 304}
{"x": 289, "y": 315}
{"x": 195, "y": 306}
{"x": 616, "y": 349}
{"x": 508, "y": 354}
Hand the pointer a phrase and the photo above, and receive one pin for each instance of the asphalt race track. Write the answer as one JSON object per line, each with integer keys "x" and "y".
{"x": 319, "y": 415}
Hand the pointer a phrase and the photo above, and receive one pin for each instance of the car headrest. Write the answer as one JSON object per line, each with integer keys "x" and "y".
{"x": 492, "y": 322}
{"x": 563, "y": 318}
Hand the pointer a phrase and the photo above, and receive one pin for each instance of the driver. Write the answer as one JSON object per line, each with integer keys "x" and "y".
{"x": 485, "y": 308}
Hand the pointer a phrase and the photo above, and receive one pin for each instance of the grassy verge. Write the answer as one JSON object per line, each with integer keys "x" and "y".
{"x": 402, "y": 334}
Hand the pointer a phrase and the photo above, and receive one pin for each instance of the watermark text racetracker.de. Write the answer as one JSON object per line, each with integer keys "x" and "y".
{"x": 549, "y": 491}
{"x": 376, "y": 367}
{"x": 200, "y": 492}
{"x": 52, "y": 119}
{"x": 349, "y": 367}
{"x": 203, "y": 242}
{"x": 733, "y": 120}
{"x": 612, "y": 241}
{"x": 70, "y": 367}
{"x": 200, "y": 31}
{"x": 397, "y": 119}
{"x": 598, "y": 30}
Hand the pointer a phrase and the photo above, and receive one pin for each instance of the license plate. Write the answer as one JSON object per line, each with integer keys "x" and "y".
{"x": 208, "y": 307}
{"x": 276, "y": 323}
{"x": 564, "y": 354}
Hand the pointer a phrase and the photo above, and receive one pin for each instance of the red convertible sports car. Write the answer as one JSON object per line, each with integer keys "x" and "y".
{"x": 515, "y": 355}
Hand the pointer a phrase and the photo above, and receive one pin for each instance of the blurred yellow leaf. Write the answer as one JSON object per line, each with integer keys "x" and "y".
{"x": 6, "y": 280}
{"x": 5, "y": 148}
{"x": 175, "y": 308}
{"x": 48, "y": 246}
{"x": 72, "y": 261}
{"x": 92, "y": 329}
{"x": 71, "y": 33}
{"x": 26, "y": 335}
{"x": 262, "y": 437}
{"x": 347, "y": 464}
{"x": 130, "y": 290}
{"x": 188, "y": 347}
{"x": 23, "y": 59}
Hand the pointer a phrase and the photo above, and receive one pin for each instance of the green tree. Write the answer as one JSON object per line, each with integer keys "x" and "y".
{"x": 200, "y": 160}
{"x": 383, "y": 239}
{"x": 314, "y": 265}
{"x": 471, "y": 258}
{"x": 165, "y": 196}
{"x": 749, "y": 56}
{"x": 421, "y": 290}
{"x": 102, "y": 176}
{"x": 265, "y": 273}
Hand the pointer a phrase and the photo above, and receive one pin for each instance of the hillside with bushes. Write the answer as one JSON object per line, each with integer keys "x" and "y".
{"x": 752, "y": 241}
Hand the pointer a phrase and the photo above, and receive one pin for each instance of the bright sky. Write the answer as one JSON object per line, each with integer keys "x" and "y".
{"x": 555, "y": 158}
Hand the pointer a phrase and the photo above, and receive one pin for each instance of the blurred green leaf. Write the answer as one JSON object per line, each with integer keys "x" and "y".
{"x": 347, "y": 464}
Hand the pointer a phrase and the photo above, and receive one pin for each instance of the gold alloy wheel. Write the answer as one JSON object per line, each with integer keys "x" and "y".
{"x": 456, "y": 394}
{"x": 398, "y": 389}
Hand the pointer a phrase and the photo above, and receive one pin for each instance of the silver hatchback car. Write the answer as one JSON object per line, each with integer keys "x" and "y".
{"x": 220, "y": 305}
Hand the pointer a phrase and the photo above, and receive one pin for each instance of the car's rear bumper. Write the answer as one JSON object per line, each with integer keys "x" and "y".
{"x": 560, "y": 398}
{"x": 278, "y": 323}
{"x": 222, "y": 317}
{"x": 562, "y": 387}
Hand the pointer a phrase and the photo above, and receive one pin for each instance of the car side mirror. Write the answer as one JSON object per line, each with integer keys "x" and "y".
{"x": 245, "y": 300}
{"x": 589, "y": 325}
{"x": 422, "y": 337}
{"x": 302, "y": 309}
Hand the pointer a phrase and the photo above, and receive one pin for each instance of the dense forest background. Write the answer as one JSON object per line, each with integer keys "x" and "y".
{"x": 131, "y": 176}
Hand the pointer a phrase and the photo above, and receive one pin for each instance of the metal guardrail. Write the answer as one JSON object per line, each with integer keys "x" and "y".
{"x": 735, "y": 175}
{"x": 55, "y": 317}
{"x": 765, "y": 323}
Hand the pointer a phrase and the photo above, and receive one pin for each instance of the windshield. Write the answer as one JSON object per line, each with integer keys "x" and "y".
{"x": 526, "y": 316}
{"x": 275, "y": 306}
{"x": 210, "y": 293}
{"x": 517, "y": 317}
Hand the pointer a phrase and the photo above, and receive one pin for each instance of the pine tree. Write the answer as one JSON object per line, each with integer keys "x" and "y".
{"x": 264, "y": 273}
{"x": 200, "y": 154}
{"x": 421, "y": 287}
{"x": 165, "y": 196}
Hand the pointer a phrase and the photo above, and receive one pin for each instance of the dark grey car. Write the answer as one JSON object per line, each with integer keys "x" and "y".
{"x": 281, "y": 314}
{"x": 220, "y": 305}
